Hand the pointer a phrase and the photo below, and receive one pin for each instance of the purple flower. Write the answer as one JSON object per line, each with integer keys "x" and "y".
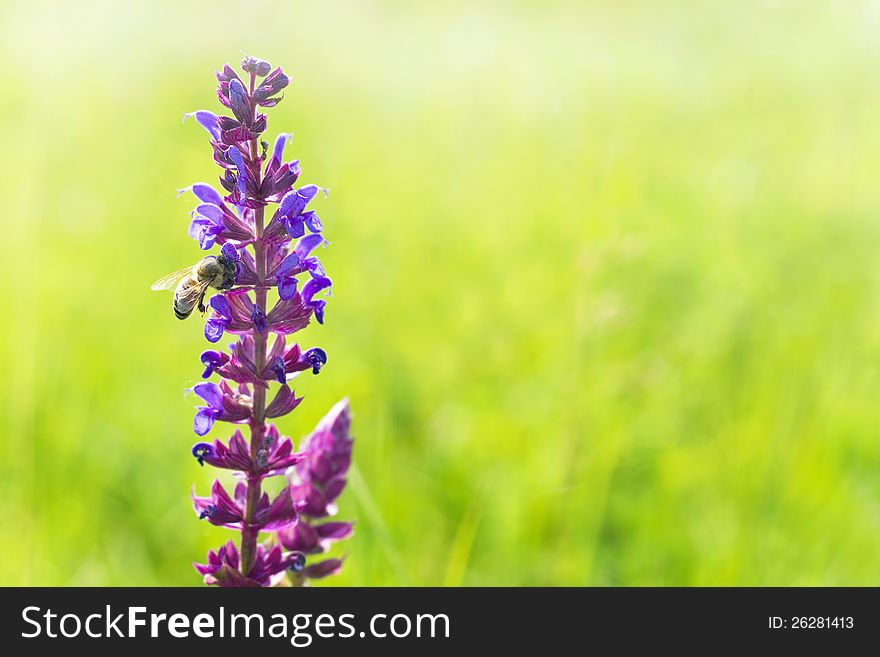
{"x": 293, "y": 360}
{"x": 207, "y": 415}
{"x": 207, "y": 225}
{"x": 213, "y": 220}
{"x": 290, "y": 212}
{"x": 259, "y": 243}
{"x": 238, "y": 102}
{"x": 230, "y": 252}
{"x": 223, "y": 404}
{"x": 213, "y": 361}
{"x": 286, "y": 281}
{"x": 256, "y": 66}
{"x": 310, "y": 289}
{"x": 219, "y": 509}
{"x": 220, "y": 318}
{"x": 274, "y": 455}
{"x": 242, "y": 177}
{"x": 274, "y": 82}
{"x": 269, "y": 567}
{"x": 314, "y": 358}
{"x": 298, "y": 261}
{"x": 224, "y": 510}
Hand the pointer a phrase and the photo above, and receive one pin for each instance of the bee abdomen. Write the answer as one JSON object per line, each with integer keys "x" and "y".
{"x": 186, "y": 296}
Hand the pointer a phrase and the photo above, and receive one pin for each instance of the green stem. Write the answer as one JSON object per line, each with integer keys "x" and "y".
{"x": 249, "y": 532}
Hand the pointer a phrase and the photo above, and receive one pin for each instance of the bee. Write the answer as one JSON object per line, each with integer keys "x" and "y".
{"x": 191, "y": 283}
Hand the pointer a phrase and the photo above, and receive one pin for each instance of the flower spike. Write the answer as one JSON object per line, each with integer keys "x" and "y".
{"x": 268, "y": 237}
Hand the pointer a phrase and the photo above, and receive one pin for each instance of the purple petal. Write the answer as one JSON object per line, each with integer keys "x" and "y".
{"x": 238, "y": 159}
{"x": 316, "y": 358}
{"x": 295, "y": 226}
{"x": 214, "y": 328}
{"x": 334, "y": 531}
{"x": 239, "y": 102}
{"x": 256, "y": 66}
{"x": 287, "y": 265}
{"x": 230, "y": 252}
{"x": 312, "y": 221}
{"x": 323, "y": 569}
{"x": 197, "y": 227}
{"x": 318, "y": 307}
{"x": 274, "y": 82}
{"x": 294, "y": 202}
{"x": 202, "y": 451}
{"x": 314, "y": 267}
{"x": 220, "y": 303}
{"x": 312, "y": 287}
{"x": 211, "y": 393}
{"x": 207, "y": 241}
{"x": 278, "y": 150}
{"x": 204, "y": 420}
{"x": 204, "y": 192}
{"x": 279, "y": 369}
{"x": 205, "y": 232}
{"x": 258, "y": 317}
{"x": 212, "y": 212}
{"x": 213, "y": 360}
{"x": 208, "y": 120}
{"x": 287, "y": 288}
{"x": 307, "y": 244}
{"x": 311, "y": 501}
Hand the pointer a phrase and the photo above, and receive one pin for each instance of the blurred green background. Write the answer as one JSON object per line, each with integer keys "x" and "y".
{"x": 606, "y": 285}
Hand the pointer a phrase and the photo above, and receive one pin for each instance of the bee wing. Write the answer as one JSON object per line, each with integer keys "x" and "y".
{"x": 190, "y": 295}
{"x": 170, "y": 281}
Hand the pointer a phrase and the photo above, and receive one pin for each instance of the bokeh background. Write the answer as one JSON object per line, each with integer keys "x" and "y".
{"x": 606, "y": 285}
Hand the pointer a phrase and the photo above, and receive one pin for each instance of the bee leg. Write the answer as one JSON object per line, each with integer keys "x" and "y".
{"x": 202, "y": 308}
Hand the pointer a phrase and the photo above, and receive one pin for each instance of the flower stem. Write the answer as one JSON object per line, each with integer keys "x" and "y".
{"x": 249, "y": 533}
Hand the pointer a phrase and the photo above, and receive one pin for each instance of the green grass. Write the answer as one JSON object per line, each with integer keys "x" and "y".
{"x": 606, "y": 286}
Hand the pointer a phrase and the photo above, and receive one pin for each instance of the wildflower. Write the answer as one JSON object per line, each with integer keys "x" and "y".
{"x": 269, "y": 567}
{"x": 230, "y": 511}
{"x": 223, "y": 404}
{"x": 213, "y": 361}
{"x": 235, "y": 218}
